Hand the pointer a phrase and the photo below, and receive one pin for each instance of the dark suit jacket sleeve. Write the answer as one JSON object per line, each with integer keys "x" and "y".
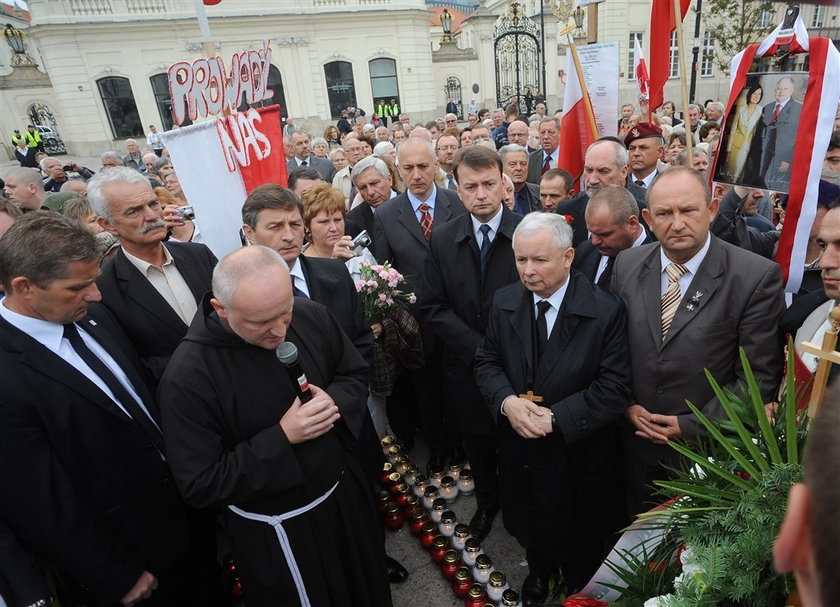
{"x": 53, "y": 519}
{"x": 761, "y": 339}
{"x": 380, "y": 247}
{"x": 607, "y": 397}
{"x": 489, "y": 369}
{"x": 438, "y": 314}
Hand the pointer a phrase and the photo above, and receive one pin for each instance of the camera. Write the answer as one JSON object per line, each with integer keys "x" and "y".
{"x": 67, "y": 168}
{"x": 361, "y": 242}
{"x": 186, "y": 213}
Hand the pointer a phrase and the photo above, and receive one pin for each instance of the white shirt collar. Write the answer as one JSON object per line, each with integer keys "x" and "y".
{"x": 144, "y": 266}
{"x": 641, "y": 239}
{"x": 553, "y": 155}
{"x": 692, "y": 264}
{"x": 416, "y": 202}
{"x": 494, "y": 224}
{"x": 647, "y": 180}
{"x": 48, "y": 334}
{"x": 556, "y": 298}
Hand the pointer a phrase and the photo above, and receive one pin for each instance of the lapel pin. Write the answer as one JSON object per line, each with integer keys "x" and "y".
{"x": 694, "y": 301}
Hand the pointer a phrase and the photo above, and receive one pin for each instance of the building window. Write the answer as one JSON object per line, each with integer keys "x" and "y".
{"x": 818, "y": 16}
{"x": 707, "y": 66}
{"x": 452, "y": 90}
{"x": 119, "y": 105}
{"x": 383, "y": 81}
{"x": 160, "y": 88}
{"x": 675, "y": 57}
{"x": 631, "y": 54}
{"x": 764, "y": 18}
{"x": 340, "y": 88}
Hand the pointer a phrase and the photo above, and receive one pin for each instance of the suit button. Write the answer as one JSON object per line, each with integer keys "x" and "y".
{"x": 659, "y": 390}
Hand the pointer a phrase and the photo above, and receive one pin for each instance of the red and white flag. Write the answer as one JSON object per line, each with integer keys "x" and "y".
{"x": 640, "y": 69}
{"x": 815, "y": 127}
{"x": 577, "y": 127}
{"x": 662, "y": 23}
{"x": 219, "y": 162}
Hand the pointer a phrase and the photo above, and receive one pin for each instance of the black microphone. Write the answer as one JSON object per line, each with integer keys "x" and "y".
{"x": 287, "y": 353}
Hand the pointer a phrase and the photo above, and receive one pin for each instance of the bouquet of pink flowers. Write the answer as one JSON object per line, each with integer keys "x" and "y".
{"x": 380, "y": 288}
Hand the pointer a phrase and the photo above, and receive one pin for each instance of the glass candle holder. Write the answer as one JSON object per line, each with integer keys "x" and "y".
{"x": 439, "y": 547}
{"x": 411, "y": 502}
{"x": 420, "y": 484}
{"x": 496, "y": 585}
{"x": 460, "y": 535}
{"x": 510, "y": 598}
{"x": 387, "y": 469}
{"x": 416, "y": 519}
{"x": 471, "y": 550}
{"x": 394, "y": 479}
{"x": 386, "y": 442}
{"x": 409, "y": 473}
{"x": 448, "y": 489}
{"x": 461, "y": 581}
{"x": 401, "y": 462}
{"x": 450, "y": 563}
{"x": 447, "y": 524}
{"x": 476, "y": 596}
{"x": 466, "y": 484}
{"x": 438, "y": 508}
{"x": 382, "y": 499}
{"x": 430, "y": 494}
{"x": 428, "y": 533}
{"x": 454, "y": 470}
{"x": 482, "y": 568}
{"x": 435, "y": 474}
{"x": 393, "y": 451}
{"x": 393, "y": 516}
{"x": 401, "y": 495}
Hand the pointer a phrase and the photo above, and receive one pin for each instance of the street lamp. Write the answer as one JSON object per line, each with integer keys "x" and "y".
{"x": 14, "y": 38}
{"x": 578, "y": 14}
{"x": 446, "y": 23}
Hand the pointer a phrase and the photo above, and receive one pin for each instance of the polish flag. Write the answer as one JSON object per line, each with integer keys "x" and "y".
{"x": 662, "y": 23}
{"x": 577, "y": 127}
{"x": 219, "y": 162}
{"x": 640, "y": 69}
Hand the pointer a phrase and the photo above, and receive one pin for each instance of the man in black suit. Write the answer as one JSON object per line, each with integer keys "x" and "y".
{"x": 470, "y": 259}
{"x": 401, "y": 231}
{"x": 612, "y": 219}
{"x": 515, "y": 165}
{"x": 374, "y": 183}
{"x": 546, "y": 158}
{"x": 85, "y": 481}
{"x": 300, "y": 144}
{"x": 554, "y": 368}
{"x": 604, "y": 163}
{"x": 152, "y": 288}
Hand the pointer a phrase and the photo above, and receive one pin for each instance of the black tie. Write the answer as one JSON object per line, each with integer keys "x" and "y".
{"x": 484, "y": 252}
{"x": 303, "y": 163}
{"x": 137, "y": 414}
{"x": 641, "y": 183}
{"x": 604, "y": 280}
{"x": 542, "y": 326}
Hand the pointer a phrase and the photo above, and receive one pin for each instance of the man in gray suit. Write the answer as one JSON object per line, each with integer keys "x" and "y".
{"x": 781, "y": 120}
{"x": 300, "y": 144}
{"x": 692, "y": 301}
{"x": 545, "y": 158}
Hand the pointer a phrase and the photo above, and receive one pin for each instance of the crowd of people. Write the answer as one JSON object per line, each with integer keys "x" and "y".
{"x": 150, "y": 433}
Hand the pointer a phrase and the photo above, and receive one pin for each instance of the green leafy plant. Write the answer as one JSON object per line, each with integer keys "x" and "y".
{"x": 728, "y": 505}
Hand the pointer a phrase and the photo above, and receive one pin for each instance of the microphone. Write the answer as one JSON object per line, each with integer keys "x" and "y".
{"x": 287, "y": 353}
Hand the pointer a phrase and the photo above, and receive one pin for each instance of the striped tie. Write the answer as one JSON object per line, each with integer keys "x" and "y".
{"x": 671, "y": 299}
{"x": 425, "y": 220}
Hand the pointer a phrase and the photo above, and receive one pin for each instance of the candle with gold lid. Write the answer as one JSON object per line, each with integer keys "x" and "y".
{"x": 472, "y": 548}
{"x": 430, "y": 494}
{"x": 411, "y": 502}
{"x": 394, "y": 479}
{"x": 410, "y": 473}
{"x": 496, "y": 585}
{"x": 393, "y": 516}
{"x": 454, "y": 470}
{"x": 510, "y": 598}
{"x": 428, "y": 533}
{"x": 461, "y": 581}
{"x": 439, "y": 546}
{"x": 450, "y": 563}
{"x": 460, "y": 535}
{"x": 447, "y": 523}
{"x": 482, "y": 568}
{"x": 420, "y": 484}
{"x": 448, "y": 489}
{"x": 476, "y": 596}
{"x": 393, "y": 451}
{"x": 387, "y": 469}
{"x": 387, "y": 441}
{"x": 401, "y": 462}
{"x": 401, "y": 494}
{"x": 435, "y": 474}
{"x": 466, "y": 484}
{"x": 416, "y": 519}
{"x": 439, "y": 506}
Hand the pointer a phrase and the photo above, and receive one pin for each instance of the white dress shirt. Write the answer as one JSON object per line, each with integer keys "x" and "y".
{"x": 555, "y": 300}
{"x": 494, "y": 227}
{"x": 167, "y": 281}
{"x": 692, "y": 264}
{"x": 602, "y": 264}
{"x": 416, "y": 202}
{"x": 298, "y": 279}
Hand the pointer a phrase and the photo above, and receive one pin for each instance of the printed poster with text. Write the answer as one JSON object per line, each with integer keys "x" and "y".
{"x": 601, "y": 72}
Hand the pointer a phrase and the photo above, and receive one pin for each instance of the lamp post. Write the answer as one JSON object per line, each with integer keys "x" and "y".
{"x": 542, "y": 46}
{"x": 14, "y": 38}
{"x": 578, "y": 14}
{"x": 446, "y": 23}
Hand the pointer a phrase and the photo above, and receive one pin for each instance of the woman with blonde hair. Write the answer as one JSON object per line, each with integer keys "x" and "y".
{"x": 323, "y": 217}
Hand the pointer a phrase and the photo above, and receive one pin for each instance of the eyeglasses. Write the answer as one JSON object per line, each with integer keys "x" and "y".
{"x": 448, "y": 147}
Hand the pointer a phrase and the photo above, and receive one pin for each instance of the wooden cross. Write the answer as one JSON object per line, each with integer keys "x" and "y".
{"x": 826, "y": 356}
{"x": 532, "y": 397}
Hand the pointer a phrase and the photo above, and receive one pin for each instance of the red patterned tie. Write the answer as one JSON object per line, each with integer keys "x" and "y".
{"x": 776, "y": 112}
{"x": 425, "y": 220}
{"x": 546, "y": 165}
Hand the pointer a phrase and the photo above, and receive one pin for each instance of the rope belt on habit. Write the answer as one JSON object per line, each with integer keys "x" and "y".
{"x": 276, "y": 521}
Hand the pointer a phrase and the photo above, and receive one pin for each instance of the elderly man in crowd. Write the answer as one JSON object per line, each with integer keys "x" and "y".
{"x": 25, "y": 188}
{"x": 515, "y": 165}
{"x": 57, "y": 173}
{"x": 545, "y": 158}
{"x": 133, "y": 158}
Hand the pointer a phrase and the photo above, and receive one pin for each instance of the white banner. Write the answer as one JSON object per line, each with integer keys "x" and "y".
{"x": 601, "y": 72}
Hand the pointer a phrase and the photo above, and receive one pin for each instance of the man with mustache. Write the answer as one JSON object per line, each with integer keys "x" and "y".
{"x": 152, "y": 289}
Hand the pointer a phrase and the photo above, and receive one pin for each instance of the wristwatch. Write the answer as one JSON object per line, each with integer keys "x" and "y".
{"x": 553, "y": 424}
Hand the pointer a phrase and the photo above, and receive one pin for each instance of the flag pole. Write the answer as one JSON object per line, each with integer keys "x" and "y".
{"x": 587, "y": 102}
{"x": 678, "y": 30}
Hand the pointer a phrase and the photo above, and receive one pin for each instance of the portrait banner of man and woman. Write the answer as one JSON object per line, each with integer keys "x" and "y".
{"x": 760, "y": 132}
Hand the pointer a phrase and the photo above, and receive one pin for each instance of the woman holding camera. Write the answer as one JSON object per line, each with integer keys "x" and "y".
{"x": 323, "y": 217}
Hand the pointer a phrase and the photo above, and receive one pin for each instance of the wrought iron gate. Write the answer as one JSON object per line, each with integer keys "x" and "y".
{"x": 43, "y": 118}
{"x": 453, "y": 91}
{"x": 518, "y": 57}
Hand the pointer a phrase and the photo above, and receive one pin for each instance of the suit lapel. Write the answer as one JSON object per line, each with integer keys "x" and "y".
{"x": 651, "y": 284}
{"x": 521, "y": 323}
{"x": 406, "y": 216}
{"x": 443, "y": 210}
{"x": 138, "y": 288}
{"x": 700, "y": 291}
{"x": 189, "y": 271}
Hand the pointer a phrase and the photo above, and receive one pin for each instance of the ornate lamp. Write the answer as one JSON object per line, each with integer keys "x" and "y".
{"x": 578, "y": 14}
{"x": 14, "y": 38}
{"x": 446, "y": 23}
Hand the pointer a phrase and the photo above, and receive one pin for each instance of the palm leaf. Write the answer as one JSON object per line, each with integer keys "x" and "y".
{"x": 702, "y": 492}
{"x": 767, "y": 434}
{"x": 791, "y": 442}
